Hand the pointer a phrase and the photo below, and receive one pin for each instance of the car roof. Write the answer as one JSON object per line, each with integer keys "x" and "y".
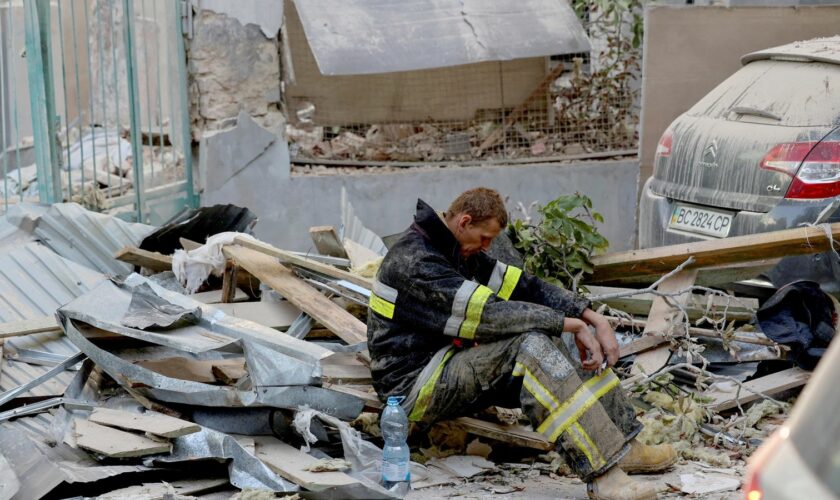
{"x": 817, "y": 49}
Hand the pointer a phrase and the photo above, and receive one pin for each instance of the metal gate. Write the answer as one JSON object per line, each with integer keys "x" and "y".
{"x": 94, "y": 107}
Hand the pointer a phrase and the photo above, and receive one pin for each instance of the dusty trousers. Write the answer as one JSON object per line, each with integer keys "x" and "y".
{"x": 588, "y": 416}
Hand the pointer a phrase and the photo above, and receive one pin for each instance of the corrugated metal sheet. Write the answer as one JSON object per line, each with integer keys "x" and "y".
{"x": 34, "y": 282}
{"x": 354, "y": 229}
{"x": 355, "y": 37}
{"x": 89, "y": 238}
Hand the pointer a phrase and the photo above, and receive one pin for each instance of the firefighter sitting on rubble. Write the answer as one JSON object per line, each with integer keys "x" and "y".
{"x": 456, "y": 331}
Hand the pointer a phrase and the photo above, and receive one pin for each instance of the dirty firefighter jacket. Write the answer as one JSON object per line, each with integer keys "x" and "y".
{"x": 426, "y": 295}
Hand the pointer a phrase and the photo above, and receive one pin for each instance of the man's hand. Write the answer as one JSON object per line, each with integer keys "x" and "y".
{"x": 586, "y": 343}
{"x": 604, "y": 334}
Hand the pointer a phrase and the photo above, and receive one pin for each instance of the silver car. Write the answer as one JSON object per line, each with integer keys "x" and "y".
{"x": 760, "y": 152}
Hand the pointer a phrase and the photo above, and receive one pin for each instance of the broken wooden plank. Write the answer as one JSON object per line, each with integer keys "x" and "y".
{"x": 312, "y": 265}
{"x": 768, "y": 384}
{"x": 299, "y": 293}
{"x": 346, "y": 374}
{"x": 736, "y": 249}
{"x": 195, "y": 370}
{"x": 116, "y": 443}
{"x": 662, "y": 320}
{"x": 229, "y": 283}
{"x": 29, "y": 326}
{"x": 277, "y": 315}
{"x": 151, "y": 422}
{"x": 363, "y": 392}
{"x": 152, "y": 261}
{"x": 515, "y": 435}
{"x": 640, "y": 304}
{"x": 359, "y": 255}
{"x": 327, "y": 242}
{"x": 228, "y": 374}
{"x": 290, "y": 464}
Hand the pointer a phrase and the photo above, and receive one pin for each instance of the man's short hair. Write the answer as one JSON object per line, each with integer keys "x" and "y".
{"x": 481, "y": 204}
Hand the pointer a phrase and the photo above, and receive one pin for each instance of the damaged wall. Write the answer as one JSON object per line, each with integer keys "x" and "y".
{"x": 234, "y": 65}
{"x": 249, "y": 166}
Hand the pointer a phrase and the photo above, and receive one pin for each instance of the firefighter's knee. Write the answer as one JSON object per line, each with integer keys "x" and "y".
{"x": 536, "y": 344}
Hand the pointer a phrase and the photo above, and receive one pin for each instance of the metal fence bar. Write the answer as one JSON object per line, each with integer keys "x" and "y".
{"x": 116, "y": 92}
{"x": 41, "y": 97}
{"x": 3, "y": 131}
{"x": 144, "y": 6}
{"x": 79, "y": 94}
{"x": 159, "y": 96}
{"x": 64, "y": 89}
{"x": 10, "y": 30}
{"x": 134, "y": 107}
{"x": 181, "y": 62}
{"x": 100, "y": 50}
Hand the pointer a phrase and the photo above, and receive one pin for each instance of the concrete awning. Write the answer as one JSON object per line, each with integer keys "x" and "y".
{"x": 354, "y": 37}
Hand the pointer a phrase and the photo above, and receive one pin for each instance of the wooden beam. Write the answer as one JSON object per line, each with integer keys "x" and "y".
{"x": 299, "y": 293}
{"x": 159, "y": 263}
{"x": 327, "y": 242}
{"x": 115, "y": 443}
{"x": 662, "y": 318}
{"x": 47, "y": 324}
{"x": 768, "y": 384}
{"x": 229, "y": 283}
{"x": 660, "y": 260}
{"x": 740, "y": 310}
{"x": 515, "y": 435}
{"x": 312, "y": 265}
{"x": 152, "y": 261}
{"x": 151, "y": 422}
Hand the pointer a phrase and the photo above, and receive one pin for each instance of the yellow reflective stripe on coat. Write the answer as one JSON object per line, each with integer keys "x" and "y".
{"x": 535, "y": 387}
{"x": 585, "y": 444}
{"x": 381, "y": 306}
{"x": 583, "y": 399}
{"x": 428, "y": 389}
{"x": 512, "y": 275}
{"x": 474, "y": 310}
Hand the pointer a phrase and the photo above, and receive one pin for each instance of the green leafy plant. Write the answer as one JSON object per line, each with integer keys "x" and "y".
{"x": 559, "y": 248}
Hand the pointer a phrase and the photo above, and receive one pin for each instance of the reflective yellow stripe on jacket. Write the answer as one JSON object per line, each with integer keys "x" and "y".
{"x": 383, "y": 299}
{"x": 467, "y": 307}
{"x": 503, "y": 280}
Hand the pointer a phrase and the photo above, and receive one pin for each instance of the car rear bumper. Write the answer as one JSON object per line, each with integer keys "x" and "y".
{"x": 824, "y": 268}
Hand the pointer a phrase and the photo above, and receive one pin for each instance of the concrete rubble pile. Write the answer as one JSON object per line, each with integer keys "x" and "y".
{"x": 115, "y": 380}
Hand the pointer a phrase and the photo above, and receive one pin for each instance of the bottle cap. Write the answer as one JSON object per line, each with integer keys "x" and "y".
{"x": 395, "y": 400}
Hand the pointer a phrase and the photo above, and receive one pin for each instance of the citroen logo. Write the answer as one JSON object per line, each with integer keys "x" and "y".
{"x": 710, "y": 155}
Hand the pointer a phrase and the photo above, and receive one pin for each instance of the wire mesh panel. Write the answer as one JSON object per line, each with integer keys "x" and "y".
{"x": 530, "y": 109}
{"x": 93, "y": 105}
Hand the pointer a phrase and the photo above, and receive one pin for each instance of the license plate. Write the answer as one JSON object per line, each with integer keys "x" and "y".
{"x": 700, "y": 220}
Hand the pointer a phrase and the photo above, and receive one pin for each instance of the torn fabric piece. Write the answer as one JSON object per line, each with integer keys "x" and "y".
{"x": 150, "y": 311}
{"x": 194, "y": 267}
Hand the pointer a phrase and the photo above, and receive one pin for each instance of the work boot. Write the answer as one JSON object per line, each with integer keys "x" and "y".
{"x": 644, "y": 459}
{"x": 616, "y": 485}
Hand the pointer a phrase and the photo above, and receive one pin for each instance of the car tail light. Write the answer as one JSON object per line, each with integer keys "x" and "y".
{"x": 663, "y": 149}
{"x": 814, "y": 167}
{"x": 753, "y": 489}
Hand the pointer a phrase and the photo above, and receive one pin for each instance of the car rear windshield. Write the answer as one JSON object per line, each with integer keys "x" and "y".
{"x": 796, "y": 94}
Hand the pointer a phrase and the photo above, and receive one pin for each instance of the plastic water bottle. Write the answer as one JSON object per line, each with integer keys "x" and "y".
{"x": 396, "y": 474}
